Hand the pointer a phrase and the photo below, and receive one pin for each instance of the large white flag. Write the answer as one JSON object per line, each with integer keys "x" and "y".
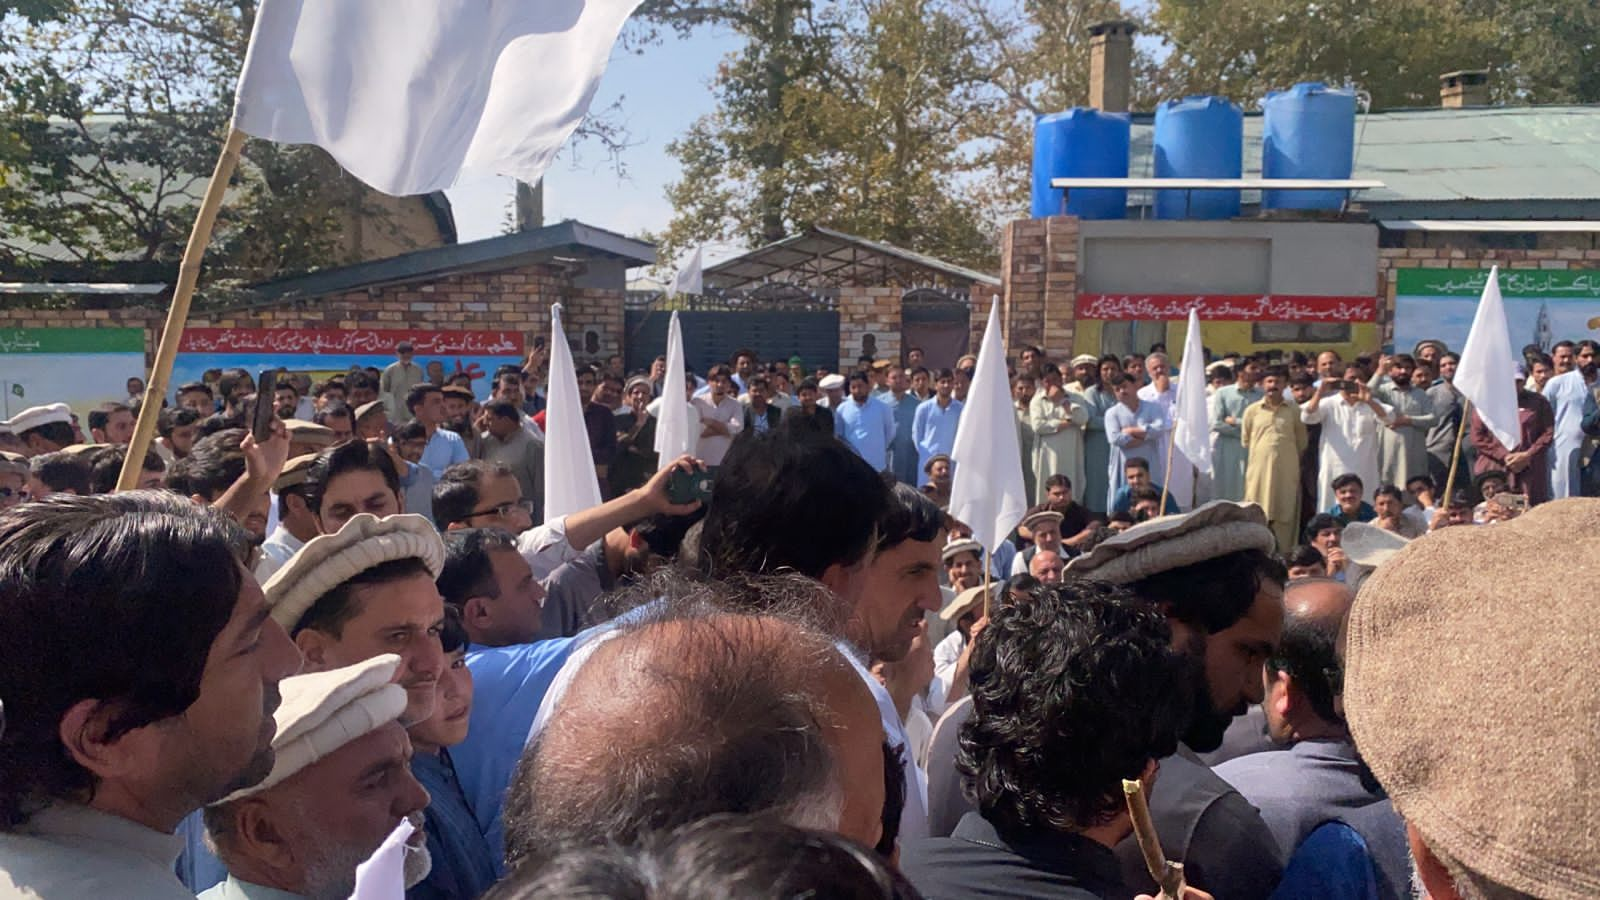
{"x": 406, "y": 94}
{"x": 689, "y": 280}
{"x": 988, "y": 494}
{"x": 1191, "y": 414}
{"x": 1486, "y": 374}
{"x": 673, "y": 435}
{"x": 570, "y": 481}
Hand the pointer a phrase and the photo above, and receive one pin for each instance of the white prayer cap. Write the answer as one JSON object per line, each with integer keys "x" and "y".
{"x": 324, "y": 711}
{"x": 963, "y": 602}
{"x": 1216, "y": 529}
{"x": 1085, "y": 359}
{"x": 36, "y": 416}
{"x": 834, "y": 382}
{"x": 330, "y": 560}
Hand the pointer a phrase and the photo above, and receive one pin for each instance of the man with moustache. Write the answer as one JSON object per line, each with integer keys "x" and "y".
{"x": 1089, "y": 375}
{"x": 166, "y": 707}
{"x": 1211, "y": 573}
{"x": 340, "y": 786}
{"x": 1571, "y": 395}
{"x": 1403, "y": 445}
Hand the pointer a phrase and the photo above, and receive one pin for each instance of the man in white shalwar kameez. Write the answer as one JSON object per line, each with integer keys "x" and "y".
{"x": 1058, "y": 417}
{"x": 1350, "y": 420}
{"x": 1164, "y": 392}
{"x": 1571, "y": 395}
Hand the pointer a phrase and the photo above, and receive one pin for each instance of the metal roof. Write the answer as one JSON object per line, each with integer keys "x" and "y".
{"x": 822, "y": 258}
{"x": 1524, "y": 155}
{"x": 1490, "y": 226}
{"x": 545, "y": 244}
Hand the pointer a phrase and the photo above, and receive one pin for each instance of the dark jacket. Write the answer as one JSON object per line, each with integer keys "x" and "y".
{"x": 976, "y": 860}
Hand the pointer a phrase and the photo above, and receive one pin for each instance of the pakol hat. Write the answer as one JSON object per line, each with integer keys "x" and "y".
{"x": 881, "y": 365}
{"x": 458, "y": 392}
{"x": 927, "y": 468}
{"x": 964, "y": 545}
{"x": 323, "y": 711}
{"x": 1034, "y": 520}
{"x": 13, "y": 464}
{"x": 39, "y": 416}
{"x": 1085, "y": 359}
{"x": 963, "y": 602}
{"x": 308, "y": 433}
{"x": 329, "y": 560}
{"x": 834, "y": 382}
{"x": 1172, "y": 542}
{"x": 294, "y": 472}
{"x": 1471, "y": 689}
{"x": 1367, "y": 547}
{"x": 367, "y": 409}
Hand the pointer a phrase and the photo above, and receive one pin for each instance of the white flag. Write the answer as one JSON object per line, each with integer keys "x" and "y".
{"x": 570, "y": 482}
{"x": 673, "y": 437}
{"x": 1486, "y": 374}
{"x": 688, "y": 280}
{"x": 383, "y": 875}
{"x": 1191, "y": 415}
{"x": 406, "y": 94}
{"x": 988, "y": 493}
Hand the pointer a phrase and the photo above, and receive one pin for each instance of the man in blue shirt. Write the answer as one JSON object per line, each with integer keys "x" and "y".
{"x": 934, "y": 427}
{"x": 444, "y": 448}
{"x": 903, "y": 449}
{"x": 865, "y": 424}
{"x": 1136, "y": 473}
{"x": 1348, "y": 506}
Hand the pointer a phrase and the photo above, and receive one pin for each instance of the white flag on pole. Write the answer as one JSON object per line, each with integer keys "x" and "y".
{"x": 383, "y": 875}
{"x": 688, "y": 280}
{"x": 988, "y": 494}
{"x": 673, "y": 436}
{"x": 406, "y": 94}
{"x": 1486, "y": 374}
{"x": 1191, "y": 414}
{"x": 570, "y": 482}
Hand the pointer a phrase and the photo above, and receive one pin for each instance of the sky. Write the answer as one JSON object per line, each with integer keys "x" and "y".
{"x": 661, "y": 91}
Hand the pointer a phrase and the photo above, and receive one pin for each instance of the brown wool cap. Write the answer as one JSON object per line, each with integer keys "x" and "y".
{"x": 367, "y": 409}
{"x": 309, "y": 433}
{"x": 294, "y": 472}
{"x": 1473, "y": 692}
{"x": 459, "y": 392}
{"x": 1171, "y": 542}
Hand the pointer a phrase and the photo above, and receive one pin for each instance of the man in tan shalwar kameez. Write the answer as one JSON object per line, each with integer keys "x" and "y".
{"x": 1058, "y": 417}
{"x": 1273, "y": 437}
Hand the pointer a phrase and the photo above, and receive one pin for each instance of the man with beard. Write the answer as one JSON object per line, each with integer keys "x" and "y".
{"x": 1058, "y": 416}
{"x": 1403, "y": 445}
{"x": 1228, "y": 406}
{"x": 625, "y": 554}
{"x": 458, "y": 410}
{"x": 1087, "y": 372}
{"x": 1211, "y": 573}
{"x": 1447, "y": 412}
{"x": 1527, "y": 466}
{"x": 1571, "y": 395}
{"x": 341, "y": 784}
{"x": 164, "y": 706}
{"x": 1271, "y": 433}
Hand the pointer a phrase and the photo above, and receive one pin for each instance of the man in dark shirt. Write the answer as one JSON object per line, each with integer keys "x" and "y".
{"x": 806, "y": 416}
{"x": 599, "y": 419}
{"x": 1210, "y": 571}
{"x": 1074, "y": 688}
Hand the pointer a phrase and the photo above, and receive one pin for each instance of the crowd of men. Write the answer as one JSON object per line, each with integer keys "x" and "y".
{"x": 243, "y": 678}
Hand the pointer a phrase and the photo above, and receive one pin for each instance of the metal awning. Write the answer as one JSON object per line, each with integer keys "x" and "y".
{"x": 77, "y": 287}
{"x": 1485, "y": 226}
{"x": 1219, "y": 184}
{"x": 823, "y": 258}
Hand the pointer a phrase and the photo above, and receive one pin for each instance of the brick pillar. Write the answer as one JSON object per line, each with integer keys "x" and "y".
{"x": 1022, "y": 282}
{"x": 598, "y": 312}
{"x": 867, "y": 311}
{"x": 1059, "y": 303}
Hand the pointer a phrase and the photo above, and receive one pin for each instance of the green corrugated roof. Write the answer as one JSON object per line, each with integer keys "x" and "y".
{"x": 1452, "y": 155}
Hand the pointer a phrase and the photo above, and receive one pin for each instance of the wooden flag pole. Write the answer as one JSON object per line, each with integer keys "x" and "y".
{"x": 1455, "y": 457}
{"x": 1166, "y": 473}
{"x": 987, "y": 563}
{"x": 155, "y": 387}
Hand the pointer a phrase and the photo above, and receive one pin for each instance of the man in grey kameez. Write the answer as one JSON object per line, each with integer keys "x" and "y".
{"x": 1403, "y": 442}
{"x": 1227, "y": 412}
{"x": 1096, "y": 448}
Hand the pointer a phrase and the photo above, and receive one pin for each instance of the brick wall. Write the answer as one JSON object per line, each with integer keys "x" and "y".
{"x": 517, "y": 299}
{"x": 1039, "y": 271}
{"x": 1466, "y": 252}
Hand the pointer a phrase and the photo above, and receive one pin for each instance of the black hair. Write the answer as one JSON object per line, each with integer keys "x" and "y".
{"x": 338, "y": 409}
{"x": 418, "y": 392}
{"x": 1389, "y": 490}
{"x": 214, "y": 464}
{"x": 453, "y": 633}
{"x": 58, "y": 433}
{"x": 175, "y": 418}
{"x": 808, "y": 384}
{"x": 142, "y": 582}
{"x": 1308, "y": 652}
{"x": 1213, "y": 594}
{"x": 231, "y": 380}
{"x": 98, "y": 419}
{"x": 774, "y": 486}
{"x": 61, "y": 472}
{"x": 333, "y": 609}
{"x": 350, "y": 456}
{"x": 1224, "y": 371}
{"x": 1303, "y": 555}
{"x": 468, "y": 570}
{"x": 719, "y": 856}
{"x": 1276, "y": 371}
{"x": 909, "y": 516}
{"x": 1425, "y": 479}
{"x": 504, "y": 409}
{"x": 894, "y": 798}
{"x": 195, "y": 386}
{"x": 220, "y": 422}
{"x": 944, "y": 374}
{"x": 1136, "y": 462}
{"x": 1347, "y": 478}
{"x": 105, "y": 467}
{"x": 456, "y": 493}
{"x": 664, "y": 534}
{"x": 1058, "y": 480}
{"x": 410, "y": 431}
{"x": 1072, "y": 692}
{"x": 1319, "y": 523}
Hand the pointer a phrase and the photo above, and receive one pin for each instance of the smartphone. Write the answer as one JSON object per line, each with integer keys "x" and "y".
{"x": 261, "y": 422}
{"x": 538, "y": 342}
{"x": 687, "y": 487}
{"x": 1513, "y": 502}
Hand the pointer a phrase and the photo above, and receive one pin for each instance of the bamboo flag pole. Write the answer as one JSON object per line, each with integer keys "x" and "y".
{"x": 1166, "y": 473}
{"x": 986, "y": 573}
{"x": 1455, "y": 457}
{"x": 172, "y": 334}
{"x": 1167, "y": 875}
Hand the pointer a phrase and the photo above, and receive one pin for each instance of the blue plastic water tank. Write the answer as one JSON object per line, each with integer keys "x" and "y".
{"x": 1198, "y": 137}
{"x": 1308, "y": 131}
{"x": 1080, "y": 143}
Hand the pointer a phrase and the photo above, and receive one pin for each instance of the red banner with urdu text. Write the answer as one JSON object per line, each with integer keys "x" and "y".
{"x": 1224, "y": 307}
{"x": 356, "y": 341}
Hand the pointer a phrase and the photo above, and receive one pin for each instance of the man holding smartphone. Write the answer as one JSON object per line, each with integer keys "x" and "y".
{"x": 1350, "y": 418}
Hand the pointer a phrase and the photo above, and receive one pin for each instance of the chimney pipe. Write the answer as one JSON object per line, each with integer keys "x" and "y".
{"x": 1111, "y": 65}
{"x": 1459, "y": 90}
